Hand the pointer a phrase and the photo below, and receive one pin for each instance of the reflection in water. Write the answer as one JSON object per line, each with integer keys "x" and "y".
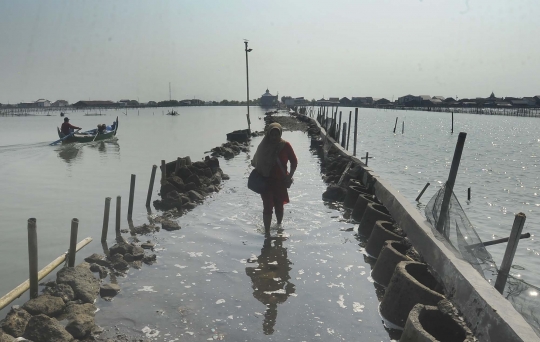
{"x": 270, "y": 279}
{"x": 71, "y": 152}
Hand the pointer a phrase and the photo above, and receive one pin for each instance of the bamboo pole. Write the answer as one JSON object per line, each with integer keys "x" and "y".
{"x": 106, "y": 211}
{"x": 22, "y": 288}
{"x": 33, "y": 257}
{"x": 73, "y": 242}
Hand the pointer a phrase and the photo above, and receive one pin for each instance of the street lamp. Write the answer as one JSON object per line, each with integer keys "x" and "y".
{"x": 247, "y": 82}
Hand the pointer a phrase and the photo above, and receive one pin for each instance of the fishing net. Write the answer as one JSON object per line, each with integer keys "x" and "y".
{"x": 454, "y": 226}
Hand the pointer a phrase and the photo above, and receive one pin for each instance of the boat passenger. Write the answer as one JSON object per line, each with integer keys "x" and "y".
{"x": 101, "y": 128}
{"x": 111, "y": 127}
{"x": 67, "y": 128}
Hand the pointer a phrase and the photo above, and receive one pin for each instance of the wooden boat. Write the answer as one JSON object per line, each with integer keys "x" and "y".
{"x": 90, "y": 135}
{"x": 172, "y": 112}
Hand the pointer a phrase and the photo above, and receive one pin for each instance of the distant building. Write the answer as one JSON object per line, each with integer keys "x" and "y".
{"x": 89, "y": 104}
{"x": 344, "y": 101}
{"x": 43, "y": 103}
{"x": 288, "y": 101}
{"x": 334, "y": 100}
{"x": 60, "y": 103}
{"x": 381, "y": 102}
{"x": 362, "y": 101}
{"x": 323, "y": 102}
{"x": 268, "y": 100}
{"x": 409, "y": 100}
{"x": 438, "y": 98}
{"x": 285, "y": 99}
{"x": 300, "y": 101}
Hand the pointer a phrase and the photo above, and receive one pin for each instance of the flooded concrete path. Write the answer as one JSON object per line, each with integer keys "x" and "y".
{"x": 218, "y": 278}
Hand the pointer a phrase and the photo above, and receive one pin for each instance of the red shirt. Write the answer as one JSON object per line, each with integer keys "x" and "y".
{"x": 285, "y": 155}
{"x": 66, "y": 127}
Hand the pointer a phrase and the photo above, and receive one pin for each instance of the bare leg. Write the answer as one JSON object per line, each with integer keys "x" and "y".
{"x": 267, "y": 220}
{"x": 279, "y": 216}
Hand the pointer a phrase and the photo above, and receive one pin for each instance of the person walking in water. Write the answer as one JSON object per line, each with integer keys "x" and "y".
{"x": 270, "y": 161}
{"x": 67, "y": 127}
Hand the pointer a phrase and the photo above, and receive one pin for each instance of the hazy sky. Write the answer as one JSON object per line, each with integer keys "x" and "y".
{"x": 111, "y": 50}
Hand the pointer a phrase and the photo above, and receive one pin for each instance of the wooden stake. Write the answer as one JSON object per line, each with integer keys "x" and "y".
{"x": 502, "y": 276}
{"x": 349, "y": 129}
{"x": 73, "y": 242}
{"x": 395, "y": 125}
{"x": 422, "y": 192}
{"x": 450, "y": 182}
{"x": 105, "y": 228}
{"x": 131, "y": 195}
{"x": 33, "y": 257}
{"x": 355, "y": 130}
{"x": 151, "y": 186}
{"x": 339, "y": 126}
{"x": 118, "y": 209}
{"x": 344, "y": 135}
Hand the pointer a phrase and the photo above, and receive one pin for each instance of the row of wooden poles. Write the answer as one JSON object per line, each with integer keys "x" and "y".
{"x": 519, "y": 221}
{"x": 339, "y": 131}
{"x": 524, "y": 112}
{"x": 35, "y": 276}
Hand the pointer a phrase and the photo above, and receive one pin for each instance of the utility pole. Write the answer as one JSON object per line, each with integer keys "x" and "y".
{"x": 247, "y": 82}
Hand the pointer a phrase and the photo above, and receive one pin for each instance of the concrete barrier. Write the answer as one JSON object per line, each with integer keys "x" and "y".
{"x": 382, "y": 231}
{"x": 490, "y": 315}
{"x": 411, "y": 284}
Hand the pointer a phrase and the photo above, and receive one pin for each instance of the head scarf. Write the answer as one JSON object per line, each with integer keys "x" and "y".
{"x": 267, "y": 152}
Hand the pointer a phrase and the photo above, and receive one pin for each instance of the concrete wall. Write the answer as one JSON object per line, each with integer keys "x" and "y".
{"x": 489, "y": 315}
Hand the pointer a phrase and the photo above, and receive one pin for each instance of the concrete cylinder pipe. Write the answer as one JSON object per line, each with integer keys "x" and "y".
{"x": 374, "y": 212}
{"x": 382, "y": 231}
{"x": 392, "y": 253}
{"x": 428, "y": 324}
{"x": 360, "y": 206}
{"x": 353, "y": 191}
{"x": 411, "y": 284}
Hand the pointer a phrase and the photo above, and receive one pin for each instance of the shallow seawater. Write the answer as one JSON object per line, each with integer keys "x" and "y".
{"x": 219, "y": 278}
{"x": 220, "y": 247}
